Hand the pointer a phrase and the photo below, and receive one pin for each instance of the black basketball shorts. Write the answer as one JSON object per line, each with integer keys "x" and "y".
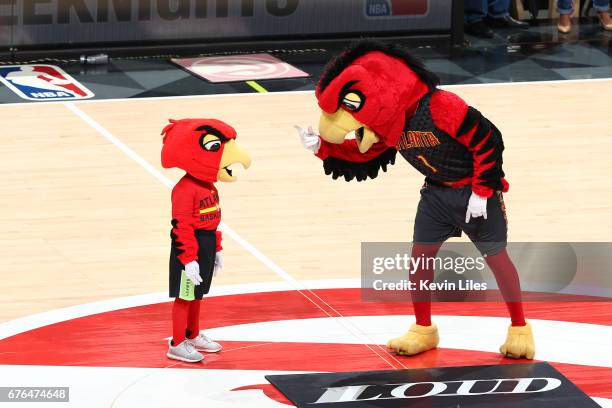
{"x": 207, "y": 242}
{"x": 441, "y": 215}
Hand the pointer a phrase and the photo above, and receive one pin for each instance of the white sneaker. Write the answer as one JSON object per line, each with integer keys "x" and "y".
{"x": 184, "y": 352}
{"x": 205, "y": 344}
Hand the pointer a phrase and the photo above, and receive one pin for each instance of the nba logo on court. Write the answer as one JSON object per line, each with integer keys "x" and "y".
{"x": 42, "y": 83}
{"x": 395, "y": 8}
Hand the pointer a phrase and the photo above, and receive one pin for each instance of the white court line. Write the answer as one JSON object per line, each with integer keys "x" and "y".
{"x": 476, "y": 333}
{"x": 358, "y": 333}
{"x": 258, "y": 94}
{"x": 553, "y": 82}
{"x": 37, "y": 320}
{"x": 158, "y": 98}
{"x": 120, "y": 145}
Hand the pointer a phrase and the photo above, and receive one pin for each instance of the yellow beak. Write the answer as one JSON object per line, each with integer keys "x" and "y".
{"x": 335, "y": 127}
{"x": 232, "y": 153}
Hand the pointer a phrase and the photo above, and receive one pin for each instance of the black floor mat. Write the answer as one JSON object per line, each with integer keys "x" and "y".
{"x": 536, "y": 385}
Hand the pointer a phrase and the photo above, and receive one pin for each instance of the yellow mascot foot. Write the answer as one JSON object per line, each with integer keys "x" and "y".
{"x": 417, "y": 340}
{"x": 519, "y": 343}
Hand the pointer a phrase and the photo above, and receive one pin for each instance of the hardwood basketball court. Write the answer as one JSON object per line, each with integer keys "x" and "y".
{"x": 86, "y": 204}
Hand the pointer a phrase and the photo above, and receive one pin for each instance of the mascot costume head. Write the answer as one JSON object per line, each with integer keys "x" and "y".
{"x": 204, "y": 148}
{"x": 369, "y": 89}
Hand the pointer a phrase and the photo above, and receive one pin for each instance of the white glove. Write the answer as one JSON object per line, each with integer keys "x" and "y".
{"x": 218, "y": 263}
{"x": 192, "y": 270}
{"x": 477, "y": 207}
{"x": 310, "y": 140}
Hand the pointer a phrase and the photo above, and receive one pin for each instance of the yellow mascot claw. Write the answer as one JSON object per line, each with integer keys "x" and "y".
{"x": 416, "y": 340}
{"x": 519, "y": 343}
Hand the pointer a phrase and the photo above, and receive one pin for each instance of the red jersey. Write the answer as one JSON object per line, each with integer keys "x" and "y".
{"x": 195, "y": 206}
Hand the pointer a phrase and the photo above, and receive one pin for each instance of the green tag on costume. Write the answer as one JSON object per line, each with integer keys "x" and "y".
{"x": 187, "y": 291}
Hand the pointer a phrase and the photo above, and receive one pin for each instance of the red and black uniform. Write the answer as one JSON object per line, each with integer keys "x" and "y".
{"x": 453, "y": 153}
{"x": 449, "y": 142}
{"x": 457, "y": 157}
{"x": 458, "y": 150}
{"x": 196, "y": 214}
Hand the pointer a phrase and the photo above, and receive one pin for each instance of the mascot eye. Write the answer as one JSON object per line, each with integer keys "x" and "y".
{"x": 353, "y": 101}
{"x": 213, "y": 145}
